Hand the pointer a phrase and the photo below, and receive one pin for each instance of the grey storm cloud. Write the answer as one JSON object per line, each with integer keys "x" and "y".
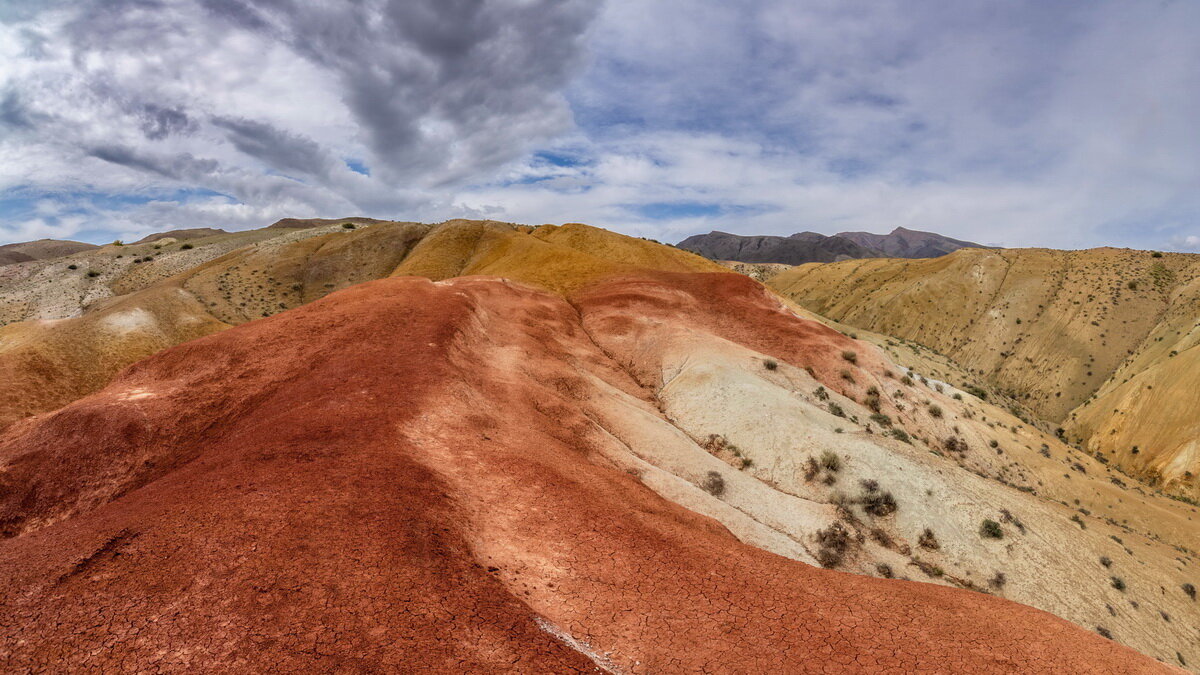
{"x": 275, "y": 147}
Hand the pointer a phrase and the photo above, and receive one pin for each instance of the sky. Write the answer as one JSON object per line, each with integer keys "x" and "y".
{"x": 1057, "y": 123}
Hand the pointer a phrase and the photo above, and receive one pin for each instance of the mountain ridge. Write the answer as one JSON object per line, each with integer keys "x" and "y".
{"x": 807, "y": 247}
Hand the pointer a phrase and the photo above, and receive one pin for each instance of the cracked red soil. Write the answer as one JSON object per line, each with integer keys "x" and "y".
{"x": 404, "y": 476}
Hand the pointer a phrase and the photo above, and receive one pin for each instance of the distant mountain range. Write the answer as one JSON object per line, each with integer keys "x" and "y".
{"x": 806, "y": 247}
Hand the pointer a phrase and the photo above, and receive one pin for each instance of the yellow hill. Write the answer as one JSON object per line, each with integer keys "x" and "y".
{"x": 1065, "y": 333}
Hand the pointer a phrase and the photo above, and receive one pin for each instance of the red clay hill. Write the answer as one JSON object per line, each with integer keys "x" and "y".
{"x": 409, "y": 475}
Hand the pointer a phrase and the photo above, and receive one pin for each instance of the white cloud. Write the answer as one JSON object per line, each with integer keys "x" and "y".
{"x": 1025, "y": 123}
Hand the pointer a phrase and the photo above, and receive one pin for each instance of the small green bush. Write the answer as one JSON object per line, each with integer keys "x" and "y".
{"x": 770, "y": 364}
{"x": 1118, "y": 583}
{"x": 186, "y": 247}
{"x": 850, "y": 356}
{"x": 347, "y": 226}
{"x": 991, "y": 529}
{"x": 976, "y": 392}
{"x": 831, "y": 461}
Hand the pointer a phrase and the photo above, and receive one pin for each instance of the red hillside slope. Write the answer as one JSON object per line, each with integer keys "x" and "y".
{"x": 410, "y": 475}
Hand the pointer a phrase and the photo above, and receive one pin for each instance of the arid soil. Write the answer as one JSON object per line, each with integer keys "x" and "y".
{"x": 1104, "y": 343}
{"x": 413, "y": 475}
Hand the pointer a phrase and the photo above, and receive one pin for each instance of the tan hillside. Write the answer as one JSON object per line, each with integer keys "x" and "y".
{"x": 1051, "y": 329}
{"x": 42, "y": 249}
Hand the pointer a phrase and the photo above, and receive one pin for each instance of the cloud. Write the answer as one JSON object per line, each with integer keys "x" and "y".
{"x": 1029, "y": 122}
{"x": 262, "y": 101}
{"x": 1186, "y": 243}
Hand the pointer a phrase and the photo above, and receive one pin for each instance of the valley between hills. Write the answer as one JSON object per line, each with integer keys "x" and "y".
{"x": 357, "y": 445}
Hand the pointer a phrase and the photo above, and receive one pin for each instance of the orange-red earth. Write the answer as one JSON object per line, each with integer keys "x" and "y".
{"x": 405, "y": 476}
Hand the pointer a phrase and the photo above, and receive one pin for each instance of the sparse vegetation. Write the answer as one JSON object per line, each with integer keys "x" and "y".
{"x": 835, "y": 542}
{"x": 956, "y": 444}
{"x": 935, "y": 411}
{"x": 186, "y": 247}
{"x": 884, "y": 570}
{"x": 976, "y": 392}
{"x": 901, "y": 435}
{"x": 1106, "y": 561}
{"x": 830, "y": 461}
{"x": 347, "y": 226}
{"x": 928, "y": 540}
{"x": 835, "y": 409}
{"x": 879, "y": 503}
{"x": 713, "y": 484}
{"x": 1190, "y": 590}
{"x": 881, "y": 419}
{"x": 770, "y": 364}
{"x": 1118, "y": 583}
{"x": 990, "y": 529}
{"x": 93, "y": 273}
{"x": 850, "y": 356}
{"x": 72, "y": 267}
{"x": 998, "y": 581}
{"x": 929, "y": 568}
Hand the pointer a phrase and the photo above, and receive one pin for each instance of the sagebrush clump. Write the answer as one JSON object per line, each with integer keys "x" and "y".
{"x": 991, "y": 529}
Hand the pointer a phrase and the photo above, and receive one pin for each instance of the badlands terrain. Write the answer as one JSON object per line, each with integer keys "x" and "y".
{"x": 360, "y": 445}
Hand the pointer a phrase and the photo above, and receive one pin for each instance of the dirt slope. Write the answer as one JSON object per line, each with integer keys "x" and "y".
{"x": 415, "y": 475}
{"x": 42, "y": 249}
{"x": 1102, "y": 342}
{"x": 180, "y": 235}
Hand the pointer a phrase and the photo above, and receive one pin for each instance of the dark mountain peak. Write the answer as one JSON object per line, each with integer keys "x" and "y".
{"x": 805, "y": 247}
